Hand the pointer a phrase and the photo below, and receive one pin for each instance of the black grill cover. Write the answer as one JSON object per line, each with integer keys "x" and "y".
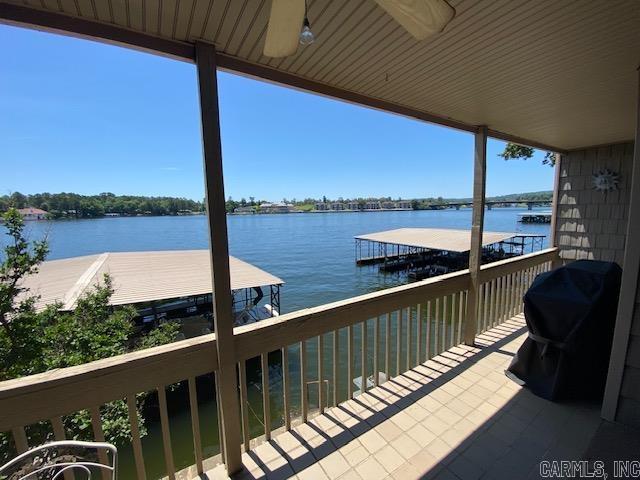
{"x": 570, "y": 314}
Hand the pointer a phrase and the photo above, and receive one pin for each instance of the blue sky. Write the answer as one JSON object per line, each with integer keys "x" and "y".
{"x": 86, "y": 117}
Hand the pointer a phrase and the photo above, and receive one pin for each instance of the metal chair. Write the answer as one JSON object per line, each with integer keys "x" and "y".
{"x": 55, "y": 460}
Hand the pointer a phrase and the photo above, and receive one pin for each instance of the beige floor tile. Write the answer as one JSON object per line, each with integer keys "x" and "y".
{"x": 356, "y": 456}
{"x": 358, "y": 411}
{"x": 471, "y": 399}
{"x": 314, "y": 472}
{"x": 351, "y": 475}
{"x": 335, "y": 465}
{"x": 417, "y": 412}
{"x": 499, "y": 402}
{"x": 271, "y": 458}
{"x": 429, "y": 403}
{"x": 425, "y": 462}
{"x": 452, "y": 388}
{"x": 454, "y": 437}
{"x": 489, "y": 409}
{"x": 421, "y": 435}
{"x": 407, "y": 472}
{"x": 480, "y": 391}
{"x": 388, "y": 430}
{"x": 370, "y": 469}
{"x": 441, "y": 450}
{"x": 298, "y": 455}
{"x": 403, "y": 421}
{"x": 389, "y": 458}
{"x": 447, "y": 415}
{"x": 251, "y": 467}
{"x": 319, "y": 445}
{"x": 290, "y": 444}
{"x": 489, "y": 384}
{"x": 435, "y": 425}
{"x": 372, "y": 441}
{"x": 460, "y": 407}
{"x": 470, "y": 375}
{"x": 442, "y": 396}
{"x": 461, "y": 381}
{"x": 220, "y": 473}
{"x": 406, "y": 446}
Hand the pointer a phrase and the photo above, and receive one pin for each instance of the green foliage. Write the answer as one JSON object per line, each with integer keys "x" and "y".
{"x": 161, "y": 335}
{"x": 33, "y": 341}
{"x": 72, "y": 205}
{"x": 543, "y": 196}
{"x": 21, "y": 259}
{"x": 305, "y": 207}
{"x": 513, "y": 151}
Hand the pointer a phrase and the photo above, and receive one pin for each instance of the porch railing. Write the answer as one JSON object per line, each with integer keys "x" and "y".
{"x": 302, "y": 362}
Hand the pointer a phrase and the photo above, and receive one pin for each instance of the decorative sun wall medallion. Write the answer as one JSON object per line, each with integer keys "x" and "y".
{"x": 605, "y": 180}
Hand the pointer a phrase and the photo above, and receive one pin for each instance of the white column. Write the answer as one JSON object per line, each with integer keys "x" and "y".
{"x": 218, "y": 243}
{"x": 477, "y": 227}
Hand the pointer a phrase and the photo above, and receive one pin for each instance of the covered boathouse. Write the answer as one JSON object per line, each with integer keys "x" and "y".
{"x": 161, "y": 285}
{"x": 428, "y": 252}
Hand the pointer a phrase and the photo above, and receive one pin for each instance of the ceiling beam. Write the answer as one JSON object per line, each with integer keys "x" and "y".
{"x": 60, "y": 23}
{"x": 54, "y": 22}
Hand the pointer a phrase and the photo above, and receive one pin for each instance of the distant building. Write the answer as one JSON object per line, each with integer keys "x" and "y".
{"x": 277, "y": 208}
{"x": 31, "y": 213}
{"x": 370, "y": 205}
{"x": 112, "y": 214}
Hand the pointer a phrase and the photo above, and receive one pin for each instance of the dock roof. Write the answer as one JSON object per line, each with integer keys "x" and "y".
{"x": 437, "y": 238}
{"x": 138, "y": 276}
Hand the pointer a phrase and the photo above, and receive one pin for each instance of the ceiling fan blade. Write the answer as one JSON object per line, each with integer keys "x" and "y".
{"x": 421, "y": 18}
{"x": 283, "y": 31}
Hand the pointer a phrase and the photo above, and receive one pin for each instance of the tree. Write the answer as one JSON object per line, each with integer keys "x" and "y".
{"x": 21, "y": 260}
{"x": 514, "y": 151}
{"x": 34, "y": 341}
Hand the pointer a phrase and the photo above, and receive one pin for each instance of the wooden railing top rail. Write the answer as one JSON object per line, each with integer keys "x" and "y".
{"x": 57, "y": 392}
{"x": 274, "y": 333}
{"x": 511, "y": 265}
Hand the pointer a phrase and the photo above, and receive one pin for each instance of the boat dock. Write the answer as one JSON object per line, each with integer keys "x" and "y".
{"x": 535, "y": 217}
{"x": 427, "y": 252}
{"x": 160, "y": 284}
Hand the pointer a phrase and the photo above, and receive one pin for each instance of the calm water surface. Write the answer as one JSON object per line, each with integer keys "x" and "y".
{"x": 313, "y": 253}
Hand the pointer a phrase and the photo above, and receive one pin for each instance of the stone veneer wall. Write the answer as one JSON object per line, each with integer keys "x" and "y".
{"x": 590, "y": 224}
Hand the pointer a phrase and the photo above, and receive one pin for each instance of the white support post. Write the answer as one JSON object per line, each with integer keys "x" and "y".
{"x": 477, "y": 227}
{"x": 219, "y": 249}
{"x": 555, "y": 207}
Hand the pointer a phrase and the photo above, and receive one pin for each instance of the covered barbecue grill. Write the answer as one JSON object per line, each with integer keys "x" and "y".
{"x": 570, "y": 313}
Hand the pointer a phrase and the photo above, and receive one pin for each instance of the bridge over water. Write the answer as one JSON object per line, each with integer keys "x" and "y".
{"x": 490, "y": 204}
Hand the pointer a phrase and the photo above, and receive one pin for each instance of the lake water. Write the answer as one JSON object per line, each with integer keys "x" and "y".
{"x": 313, "y": 253}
